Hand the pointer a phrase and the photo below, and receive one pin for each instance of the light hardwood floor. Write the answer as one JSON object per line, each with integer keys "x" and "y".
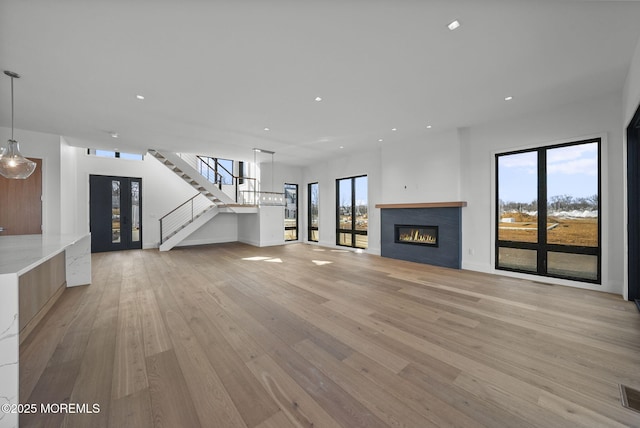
{"x": 231, "y": 335}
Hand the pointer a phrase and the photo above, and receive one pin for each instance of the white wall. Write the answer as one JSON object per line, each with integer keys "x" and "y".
{"x": 271, "y": 226}
{"x": 599, "y": 116}
{"x": 222, "y": 228}
{"x": 249, "y": 229}
{"x": 422, "y": 171}
{"x": 45, "y": 147}
{"x": 272, "y": 179}
{"x": 69, "y": 185}
{"x": 631, "y": 92}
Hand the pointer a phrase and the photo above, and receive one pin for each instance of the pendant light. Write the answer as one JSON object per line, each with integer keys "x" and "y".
{"x": 12, "y": 163}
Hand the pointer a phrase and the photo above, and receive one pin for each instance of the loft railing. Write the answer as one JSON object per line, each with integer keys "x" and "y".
{"x": 263, "y": 198}
{"x": 182, "y": 215}
{"x": 210, "y": 169}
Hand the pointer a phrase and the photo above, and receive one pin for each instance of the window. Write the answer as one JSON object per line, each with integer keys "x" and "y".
{"x": 548, "y": 211}
{"x": 132, "y": 156}
{"x": 217, "y": 171}
{"x": 313, "y": 232}
{"x": 105, "y": 153}
{"x": 114, "y": 154}
{"x": 291, "y": 212}
{"x": 352, "y": 213}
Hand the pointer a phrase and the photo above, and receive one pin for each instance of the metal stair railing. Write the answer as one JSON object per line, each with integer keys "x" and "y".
{"x": 219, "y": 178}
{"x": 241, "y": 185}
{"x": 184, "y": 214}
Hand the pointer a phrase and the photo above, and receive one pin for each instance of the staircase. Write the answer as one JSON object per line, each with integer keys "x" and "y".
{"x": 198, "y": 210}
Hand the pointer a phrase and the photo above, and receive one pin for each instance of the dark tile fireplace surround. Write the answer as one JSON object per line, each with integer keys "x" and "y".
{"x": 433, "y": 230}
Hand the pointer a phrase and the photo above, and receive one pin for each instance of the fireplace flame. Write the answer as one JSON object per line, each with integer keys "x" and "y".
{"x": 414, "y": 235}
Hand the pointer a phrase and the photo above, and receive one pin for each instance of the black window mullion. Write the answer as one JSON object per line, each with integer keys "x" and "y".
{"x": 353, "y": 211}
{"x": 496, "y": 261}
{"x": 542, "y": 211}
{"x": 599, "y": 212}
{"x": 338, "y": 212}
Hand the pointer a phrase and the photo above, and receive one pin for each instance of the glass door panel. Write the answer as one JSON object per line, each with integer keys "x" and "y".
{"x": 345, "y": 208}
{"x": 115, "y": 212}
{"x": 291, "y": 212}
{"x": 352, "y": 212}
{"x": 517, "y": 197}
{"x": 135, "y": 211}
{"x": 313, "y": 209}
{"x": 572, "y": 195}
{"x": 362, "y": 204}
{"x": 518, "y": 258}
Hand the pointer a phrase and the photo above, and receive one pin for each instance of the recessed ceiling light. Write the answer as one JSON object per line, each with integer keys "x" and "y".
{"x": 114, "y": 134}
{"x": 318, "y": 99}
{"x": 380, "y": 140}
{"x": 266, "y": 129}
{"x": 342, "y": 147}
{"x": 428, "y": 126}
{"x": 453, "y": 25}
{"x": 140, "y": 97}
{"x": 509, "y": 98}
{"x": 394, "y": 129}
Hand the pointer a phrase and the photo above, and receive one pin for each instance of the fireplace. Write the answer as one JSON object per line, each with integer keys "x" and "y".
{"x": 416, "y": 235}
{"x": 446, "y": 218}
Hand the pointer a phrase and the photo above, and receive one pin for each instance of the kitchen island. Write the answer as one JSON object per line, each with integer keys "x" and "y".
{"x": 34, "y": 271}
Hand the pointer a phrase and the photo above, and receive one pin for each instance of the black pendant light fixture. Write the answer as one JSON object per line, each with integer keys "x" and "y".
{"x": 12, "y": 163}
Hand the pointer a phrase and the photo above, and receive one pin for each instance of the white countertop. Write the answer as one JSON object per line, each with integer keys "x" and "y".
{"x": 21, "y": 253}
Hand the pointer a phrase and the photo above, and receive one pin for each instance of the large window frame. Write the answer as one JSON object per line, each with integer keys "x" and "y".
{"x": 216, "y": 170}
{"x": 291, "y": 212}
{"x": 353, "y": 231}
{"x": 313, "y": 212}
{"x": 542, "y": 246}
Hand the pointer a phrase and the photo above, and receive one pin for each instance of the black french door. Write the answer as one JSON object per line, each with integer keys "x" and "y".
{"x": 115, "y": 213}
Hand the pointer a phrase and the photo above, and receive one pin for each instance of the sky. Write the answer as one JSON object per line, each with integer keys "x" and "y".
{"x": 361, "y": 190}
{"x": 571, "y": 170}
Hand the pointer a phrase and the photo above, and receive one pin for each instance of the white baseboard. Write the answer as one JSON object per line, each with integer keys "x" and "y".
{"x": 271, "y": 243}
{"x": 249, "y": 242}
{"x": 477, "y": 267}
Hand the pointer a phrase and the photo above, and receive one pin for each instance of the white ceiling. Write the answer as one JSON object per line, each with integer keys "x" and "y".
{"x": 216, "y": 73}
